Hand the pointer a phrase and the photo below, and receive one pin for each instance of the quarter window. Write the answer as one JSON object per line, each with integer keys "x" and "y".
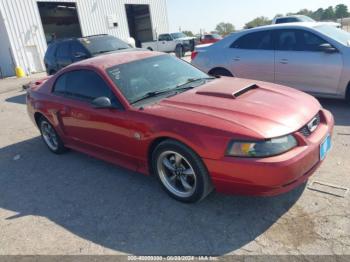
{"x": 258, "y": 41}
{"x": 60, "y": 85}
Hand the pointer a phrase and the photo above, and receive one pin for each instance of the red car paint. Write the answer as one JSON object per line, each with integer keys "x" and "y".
{"x": 206, "y": 119}
{"x": 210, "y": 39}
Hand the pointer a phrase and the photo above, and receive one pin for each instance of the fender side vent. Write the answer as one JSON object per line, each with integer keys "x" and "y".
{"x": 245, "y": 90}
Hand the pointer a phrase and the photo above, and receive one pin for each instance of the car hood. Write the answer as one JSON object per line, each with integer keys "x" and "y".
{"x": 266, "y": 109}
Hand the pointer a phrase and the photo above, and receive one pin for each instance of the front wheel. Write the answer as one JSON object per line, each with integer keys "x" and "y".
{"x": 180, "y": 51}
{"x": 181, "y": 172}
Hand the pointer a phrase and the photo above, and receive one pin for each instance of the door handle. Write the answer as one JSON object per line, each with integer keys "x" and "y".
{"x": 237, "y": 58}
{"x": 284, "y": 61}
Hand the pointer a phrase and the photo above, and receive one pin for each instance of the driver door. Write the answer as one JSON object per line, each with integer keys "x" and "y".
{"x": 100, "y": 131}
{"x": 165, "y": 43}
{"x": 300, "y": 63}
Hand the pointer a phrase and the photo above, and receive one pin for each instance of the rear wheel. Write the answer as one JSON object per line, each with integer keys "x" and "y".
{"x": 181, "y": 172}
{"x": 50, "y": 137}
{"x": 348, "y": 94}
{"x": 220, "y": 72}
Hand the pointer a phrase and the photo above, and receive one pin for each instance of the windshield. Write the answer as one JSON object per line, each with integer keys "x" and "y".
{"x": 335, "y": 33}
{"x": 306, "y": 18}
{"x": 178, "y": 35}
{"x": 103, "y": 44}
{"x": 216, "y": 36}
{"x": 155, "y": 74}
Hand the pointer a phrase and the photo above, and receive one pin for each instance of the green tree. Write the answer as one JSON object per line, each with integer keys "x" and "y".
{"x": 188, "y": 33}
{"x": 225, "y": 28}
{"x": 341, "y": 11}
{"x": 328, "y": 14}
{"x": 305, "y": 12}
{"x": 259, "y": 21}
{"x": 317, "y": 15}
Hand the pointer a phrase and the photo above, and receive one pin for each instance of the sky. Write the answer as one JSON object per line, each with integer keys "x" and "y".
{"x": 194, "y": 15}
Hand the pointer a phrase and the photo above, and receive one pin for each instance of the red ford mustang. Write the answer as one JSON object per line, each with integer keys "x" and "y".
{"x": 156, "y": 114}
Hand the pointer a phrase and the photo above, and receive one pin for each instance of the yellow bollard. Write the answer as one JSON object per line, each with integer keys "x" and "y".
{"x": 20, "y": 72}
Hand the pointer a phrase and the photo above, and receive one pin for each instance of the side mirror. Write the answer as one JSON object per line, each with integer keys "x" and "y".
{"x": 102, "y": 103}
{"x": 80, "y": 55}
{"x": 327, "y": 48}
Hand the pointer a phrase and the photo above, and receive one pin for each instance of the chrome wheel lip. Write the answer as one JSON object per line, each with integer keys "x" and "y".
{"x": 49, "y": 135}
{"x": 168, "y": 175}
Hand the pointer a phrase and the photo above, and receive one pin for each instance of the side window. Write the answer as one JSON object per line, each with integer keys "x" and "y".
{"x": 60, "y": 85}
{"x": 287, "y": 40}
{"x": 165, "y": 37}
{"x": 257, "y": 41}
{"x": 208, "y": 37}
{"x": 63, "y": 50}
{"x": 311, "y": 42}
{"x": 87, "y": 85}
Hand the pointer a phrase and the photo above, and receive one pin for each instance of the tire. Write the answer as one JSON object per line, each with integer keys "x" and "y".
{"x": 179, "y": 51}
{"x": 50, "y": 137}
{"x": 220, "y": 72}
{"x": 181, "y": 172}
{"x": 150, "y": 49}
{"x": 348, "y": 94}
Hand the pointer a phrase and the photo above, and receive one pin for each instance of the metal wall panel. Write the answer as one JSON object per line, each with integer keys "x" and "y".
{"x": 23, "y": 23}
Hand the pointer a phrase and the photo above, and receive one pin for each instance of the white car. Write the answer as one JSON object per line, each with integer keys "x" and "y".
{"x": 312, "y": 57}
{"x": 174, "y": 42}
{"x": 298, "y": 19}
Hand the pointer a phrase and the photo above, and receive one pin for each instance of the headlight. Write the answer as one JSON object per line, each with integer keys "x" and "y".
{"x": 267, "y": 148}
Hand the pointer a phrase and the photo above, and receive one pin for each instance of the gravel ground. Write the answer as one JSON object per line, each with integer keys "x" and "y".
{"x": 74, "y": 204}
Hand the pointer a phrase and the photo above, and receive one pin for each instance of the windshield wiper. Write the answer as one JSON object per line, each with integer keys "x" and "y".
{"x": 192, "y": 80}
{"x": 177, "y": 88}
{"x": 152, "y": 94}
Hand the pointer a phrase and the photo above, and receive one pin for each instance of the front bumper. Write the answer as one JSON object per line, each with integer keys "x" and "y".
{"x": 274, "y": 175}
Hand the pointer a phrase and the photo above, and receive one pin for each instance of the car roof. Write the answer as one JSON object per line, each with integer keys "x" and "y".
{"x": 113, "y": 59}
{"x": 62, "y": 40}
{"x": 286, "y": 25}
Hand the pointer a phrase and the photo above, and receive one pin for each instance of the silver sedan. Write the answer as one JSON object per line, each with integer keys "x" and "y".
{"x": 312, "y": 57}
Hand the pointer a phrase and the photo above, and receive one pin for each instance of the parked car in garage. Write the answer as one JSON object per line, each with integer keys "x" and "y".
{"x": 174, "y": 42}
{"x": 156, "y": 114}
{"x": 64, "y": 52}
{"x": 312, "y": 57}
{"x": 209, "y": 38}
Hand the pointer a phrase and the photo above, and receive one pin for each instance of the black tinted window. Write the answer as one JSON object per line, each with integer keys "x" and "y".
{"x": 86, "y": 85}
{"x": 63, "y": 50}
{"x": 311, "y": 41}
{"x": 286, "y": 20}
{"x": 259, "y": 41}
{"x": 60, "y": 85}
{"x": 287, "y": 40}
{"x": 164, "y": 38}
{"x": 103, "y": 44}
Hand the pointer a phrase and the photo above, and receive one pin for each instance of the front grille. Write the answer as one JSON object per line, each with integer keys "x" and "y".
{"x": 306, "y": 130}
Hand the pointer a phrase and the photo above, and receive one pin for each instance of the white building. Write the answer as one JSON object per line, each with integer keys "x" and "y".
{"x": 26, "y": 26}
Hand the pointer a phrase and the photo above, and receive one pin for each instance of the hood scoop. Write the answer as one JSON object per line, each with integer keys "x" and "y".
{"x": 226, "y": 93}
